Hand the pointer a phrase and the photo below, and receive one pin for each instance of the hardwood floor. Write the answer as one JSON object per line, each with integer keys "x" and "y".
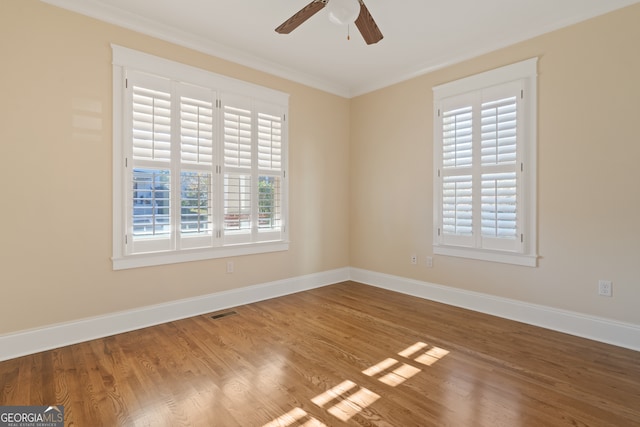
{"x": 346, "y": 354}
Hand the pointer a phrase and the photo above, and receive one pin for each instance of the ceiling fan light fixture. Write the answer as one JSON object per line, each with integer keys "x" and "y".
{"x": 343, "y": 12}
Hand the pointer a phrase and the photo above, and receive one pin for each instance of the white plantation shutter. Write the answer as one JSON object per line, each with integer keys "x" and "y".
{"x": 196, "y": 131}
{"x": 499, "y": 153}
{"x": 196, "y": 216}
{"x": 199, "y": 164}
{"x": 270, "y": 119}
{"x": 457, "y": 183}
{"x": 499, "y": 226}
{"x": 499, "y": 131}
{"x": 237, "y": 207}
{"x": 253, "y": 170}
{"x": 499, "y": 213}
{"x": 149, "y": 214}
{"x": 269, "y": 142}
{"x": 457, "y": 137}
{"x": 482, "y": 196}
{"x": 457, "y": 205}
{"x": 456, "y": 178}
{"x": 238, "y": 134}
{"x": 151, "y": 121}
{"x": 196, "y": 166}
{"x": 479, "y": 140}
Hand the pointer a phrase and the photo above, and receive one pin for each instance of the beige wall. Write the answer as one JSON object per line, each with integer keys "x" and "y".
{"x": 55, "y": 179}
{"x": 360, "y": 187}
{"x": 588, "y": 174}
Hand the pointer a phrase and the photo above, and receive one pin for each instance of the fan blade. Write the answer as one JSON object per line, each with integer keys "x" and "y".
{"x": 302, "y": 15}
{"x": 367, "y": 26}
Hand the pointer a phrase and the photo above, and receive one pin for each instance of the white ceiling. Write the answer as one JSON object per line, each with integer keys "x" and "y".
{"x": 419, "y": 35}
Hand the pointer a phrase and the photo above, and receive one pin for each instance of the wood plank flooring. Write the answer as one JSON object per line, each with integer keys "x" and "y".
{"x": 346, "y": 354}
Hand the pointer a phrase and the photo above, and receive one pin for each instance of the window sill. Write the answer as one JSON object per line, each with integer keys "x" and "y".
{"x": 526, "y": 260}
{"x": 173, "y": 257}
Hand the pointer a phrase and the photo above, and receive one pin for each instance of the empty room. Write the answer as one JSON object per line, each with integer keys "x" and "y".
{"x": 320, "y": 213}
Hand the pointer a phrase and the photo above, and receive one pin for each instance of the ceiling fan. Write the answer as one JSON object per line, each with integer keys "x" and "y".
{"x": 364, "y": 21}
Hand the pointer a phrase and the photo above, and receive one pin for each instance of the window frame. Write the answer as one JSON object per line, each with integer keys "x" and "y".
{"x": 128, "y": 60}
{"x": 524, "y": 252}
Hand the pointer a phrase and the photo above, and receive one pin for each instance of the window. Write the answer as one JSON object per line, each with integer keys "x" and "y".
{"x": 199, "y": 164}
{"x": 485, "y": 166}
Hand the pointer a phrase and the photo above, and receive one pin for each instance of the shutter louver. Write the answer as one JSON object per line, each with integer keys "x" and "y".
{"x": 196, "y": 131}
{"x": 499, "y": 205}
{"x": 237, "y": 202}
{"x": 195, "y": 215}
{"x": 151, "y": 211}
{"x": 499, "y": 131}
{"x": 151, "y": 124}
{"x": 457, "y": 136}
{"x": 237, "y": 137}
{"x": 269, "y": 142}
{"x": 457, "y": 205}
{"x": 269, "y": 200}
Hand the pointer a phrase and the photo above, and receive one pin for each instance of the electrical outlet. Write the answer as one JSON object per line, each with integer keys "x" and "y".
{"x": 429, "y": 261}
{"x": 414, "y": 259}
{"x": 230, "y": 267}
{"x": 605, "y": 288}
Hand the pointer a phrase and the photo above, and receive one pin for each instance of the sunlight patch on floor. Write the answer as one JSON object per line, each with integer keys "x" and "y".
{"x": 347, "y": 399}
{"x": 413, "y": 349}
{"x": 393, "y": 373}
{"x": 431, "y": 356}
{"x": 352, "y": 404}
{"x": 399, "y": 375}
{"x": 295, "y": 416}
{"x": 333, "y": 393}
{"x": 380, "y": 367}
{"x": 349, "y": 403}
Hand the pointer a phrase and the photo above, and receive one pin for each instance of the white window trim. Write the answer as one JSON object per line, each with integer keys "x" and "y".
{"x": 527, "y": 72}
{"x": 124, "y": 58}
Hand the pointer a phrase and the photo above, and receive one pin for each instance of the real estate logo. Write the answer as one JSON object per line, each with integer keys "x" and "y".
{"x": 32, "y": 416}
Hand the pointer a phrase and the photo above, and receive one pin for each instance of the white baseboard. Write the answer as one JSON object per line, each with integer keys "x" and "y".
{"x": 54, "y": 336}
{"x": 596, "y": 328}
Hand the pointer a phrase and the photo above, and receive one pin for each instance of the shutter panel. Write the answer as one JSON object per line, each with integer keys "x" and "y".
{"x": 269, "y": 142}
{"x": 150, "y": 223}
{"x": 151, "y": 203}
{"x": 196, "y": 131}
{"x": 195, "y": 203}
{"x": 498, "y": 140}
{"x": 457, "y": 135}
{"x": 237, "y": 137}
{"x": 151, "y": 124}
{"x": 269, "y": 202}
{"x": 238, "y": 161}
{"x": 457, "y": 205}
{"x": 457, "y": 181}
{"x": 498, "y": 181}
{"x": 196, "y": 157}
{"x": 237, "y": 202}
{"x": 270, "y": 164}
{"x": 499, "y": 205}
